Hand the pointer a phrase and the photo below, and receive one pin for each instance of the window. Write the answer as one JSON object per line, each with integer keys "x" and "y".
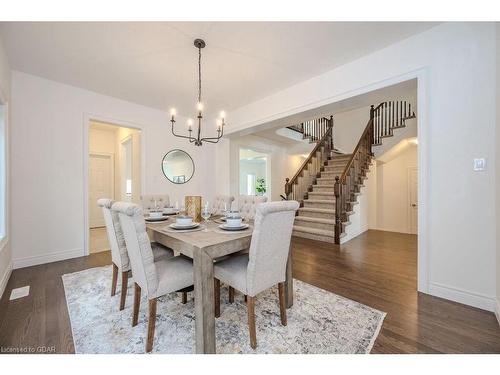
{"x": 250, "y": 184}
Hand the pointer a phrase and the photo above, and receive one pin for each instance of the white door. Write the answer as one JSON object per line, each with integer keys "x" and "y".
{"x": 101, "y": 177}
{"x": 413, "y": 199}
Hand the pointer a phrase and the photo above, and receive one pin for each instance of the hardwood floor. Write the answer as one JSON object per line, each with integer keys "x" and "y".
{"x": 376, "y": 268}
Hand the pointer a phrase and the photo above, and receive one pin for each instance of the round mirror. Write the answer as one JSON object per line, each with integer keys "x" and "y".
{"x": 177, "y": 166}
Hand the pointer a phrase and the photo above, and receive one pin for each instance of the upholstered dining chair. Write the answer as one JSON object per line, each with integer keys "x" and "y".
{"x": 148, "y": 201}
{"x": 247, "y": 205}
{"x": 119, "y": 255}
{"x": 220, "y": 203}
{"x": 265, "y": 264}
{"x": 154, "y": 278}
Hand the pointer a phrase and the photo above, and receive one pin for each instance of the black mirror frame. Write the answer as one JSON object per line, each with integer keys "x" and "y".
{"x": 192, "y": 161}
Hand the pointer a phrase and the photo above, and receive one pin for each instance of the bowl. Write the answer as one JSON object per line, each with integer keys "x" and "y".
{"x": 233, "y": 214}
{"x": 234, "y": 221}
{"x": 184, "y": 220}
{"x": 155, "y": 214}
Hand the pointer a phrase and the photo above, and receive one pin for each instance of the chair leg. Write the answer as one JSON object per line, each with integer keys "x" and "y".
{"x": 114, "y": 280}
{"x": 137, "y": 303}
{"x": 281, "y": 292}
{"x": 251, "y": 321}
{"x": 184, "y": 297}
{"x": 231, "y": 294}
{"x": 151, "y": 325}
{"x": 124, "y": 289}
{"x": 217, "y": 297}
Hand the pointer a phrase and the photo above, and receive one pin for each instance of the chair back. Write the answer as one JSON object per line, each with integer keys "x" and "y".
{"x": 219, "y": 202}
{"x": 270, "y": 245}
{"x": 247, "y": 205}
{"x": 138, "y": 246}
{"x": 148, "y": 201}
{"x": 119, "y": 254}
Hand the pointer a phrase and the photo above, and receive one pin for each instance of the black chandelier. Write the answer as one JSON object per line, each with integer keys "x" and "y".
{"x": 198, "y": 141}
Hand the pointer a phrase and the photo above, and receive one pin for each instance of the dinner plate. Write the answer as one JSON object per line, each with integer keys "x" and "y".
{"x": 226, "y": 227}
{"x": 154, "y": 219}
{"x": 223, "y": 218}
{"x": 184, "y": 227}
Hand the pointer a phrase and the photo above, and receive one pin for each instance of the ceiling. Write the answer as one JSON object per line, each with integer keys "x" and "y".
{"x": 155, "y": 63}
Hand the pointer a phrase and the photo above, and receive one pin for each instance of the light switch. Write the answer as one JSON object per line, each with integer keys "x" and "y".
{"x": 480, "y": 164}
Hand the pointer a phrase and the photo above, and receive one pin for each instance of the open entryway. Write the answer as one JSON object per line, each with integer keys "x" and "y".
{"x": 113, "y": 172}
{"x": 255, "y": 173}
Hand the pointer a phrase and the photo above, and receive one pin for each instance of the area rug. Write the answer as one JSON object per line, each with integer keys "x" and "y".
{"x": 318, "y": 322}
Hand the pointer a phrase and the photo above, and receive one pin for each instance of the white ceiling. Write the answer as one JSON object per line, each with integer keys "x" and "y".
{"x": 155, "y": 63}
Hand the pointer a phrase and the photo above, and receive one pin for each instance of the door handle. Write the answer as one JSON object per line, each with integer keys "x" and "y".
{"x": 414, "y": 205}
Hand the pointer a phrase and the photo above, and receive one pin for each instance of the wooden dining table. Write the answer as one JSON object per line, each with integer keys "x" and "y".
{"x": 204, "y": 248}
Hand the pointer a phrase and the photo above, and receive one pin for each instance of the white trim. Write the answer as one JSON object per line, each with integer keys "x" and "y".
{"x": 466, "y": 297}
{"x": 87, "y": 118}
{"x": 46, "y": 258}
{"x": 5, "y": 278}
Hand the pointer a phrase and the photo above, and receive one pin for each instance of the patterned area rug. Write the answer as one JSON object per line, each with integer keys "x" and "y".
{"x": 318, "y": 322}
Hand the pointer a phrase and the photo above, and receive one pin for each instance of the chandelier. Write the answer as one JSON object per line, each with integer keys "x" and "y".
{"x": 198, "y": 140}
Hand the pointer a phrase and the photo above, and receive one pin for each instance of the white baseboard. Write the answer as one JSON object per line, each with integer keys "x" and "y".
{"x": 5, "y": 279}
{"x": 46, "y": 258}
{"x": 466, "y": 297}
{"x": 497, "y": 312}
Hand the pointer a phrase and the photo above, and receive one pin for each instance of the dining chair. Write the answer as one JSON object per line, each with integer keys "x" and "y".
{"x": 265, "y": 264}
{"x": 221, "y": 203}
{"x": 156, "y": 279}
{"x": 247, "y": 205}
{"x": 148, "y": 201}
{"x": 119, "y": 255}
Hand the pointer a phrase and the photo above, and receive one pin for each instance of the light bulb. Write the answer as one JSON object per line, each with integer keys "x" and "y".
{"x": 222, "y": 114}
{"x": 219, "y": 122}
{"x": 173, "y": 112}
{"x": 190, "y": 123}
{"x": 199, "y": 106}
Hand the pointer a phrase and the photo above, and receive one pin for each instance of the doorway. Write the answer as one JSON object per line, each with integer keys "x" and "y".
{"x": 114, "y": 162}
{"x": 254, "y": 173}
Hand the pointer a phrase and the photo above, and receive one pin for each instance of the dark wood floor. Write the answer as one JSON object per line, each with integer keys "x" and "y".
{"x": 377, "y": 269}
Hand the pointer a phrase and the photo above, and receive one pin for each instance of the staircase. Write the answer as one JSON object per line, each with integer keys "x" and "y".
{"x": 328, "y": 183}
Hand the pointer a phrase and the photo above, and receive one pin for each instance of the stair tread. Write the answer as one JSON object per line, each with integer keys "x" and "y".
{"x": 321, "y": 192}
{"x": 315, "y": 220}
{"x": 318, "y": 210}
{"x": 319, "y": 200}
{"x": 321, "y": 232}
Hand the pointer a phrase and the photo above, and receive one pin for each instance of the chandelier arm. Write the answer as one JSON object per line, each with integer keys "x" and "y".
{"x": 209, "y": 140}
{"x": 191, "y": 139}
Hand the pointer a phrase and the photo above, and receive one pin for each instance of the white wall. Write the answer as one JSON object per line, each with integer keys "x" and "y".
{"x": 497, "y": 180}
{"x": 49, "y": 119}
{"x": 5, "y": 244}
{"x": 455, "y": 63}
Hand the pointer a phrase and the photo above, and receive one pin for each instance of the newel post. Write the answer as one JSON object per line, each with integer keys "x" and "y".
{"x": 338, "y": 205}
{"x": 287, "y": 188}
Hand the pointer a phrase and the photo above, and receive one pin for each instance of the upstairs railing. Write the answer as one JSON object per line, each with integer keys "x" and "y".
{"x": 388, "y": 116}
{"x": 319, "y": 130}
{"x": 313, "y": 129}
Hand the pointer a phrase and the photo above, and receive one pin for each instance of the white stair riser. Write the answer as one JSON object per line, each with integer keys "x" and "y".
{"x": 323, "y": 181}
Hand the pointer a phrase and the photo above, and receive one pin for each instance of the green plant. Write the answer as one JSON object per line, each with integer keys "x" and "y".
{"x": 260, "y": 186}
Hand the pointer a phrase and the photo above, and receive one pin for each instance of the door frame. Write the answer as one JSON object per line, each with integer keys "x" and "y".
{"x": 269, "y": 174}
{"x": 128, "y": 138}
{"x": 113, "y": 166}
{"x": 408, "y": 206}
{"x": 87, "y": 118}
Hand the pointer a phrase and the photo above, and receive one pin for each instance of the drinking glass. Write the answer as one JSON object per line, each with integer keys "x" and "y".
{"x": 205, "y": 214}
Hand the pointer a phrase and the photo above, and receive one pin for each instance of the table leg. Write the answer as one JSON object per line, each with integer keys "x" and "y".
{"x": 289, "y": 280}
{"x": 204, "y": 302}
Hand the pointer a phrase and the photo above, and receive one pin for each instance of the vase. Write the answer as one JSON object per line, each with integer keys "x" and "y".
{"x": 193, "y": 207}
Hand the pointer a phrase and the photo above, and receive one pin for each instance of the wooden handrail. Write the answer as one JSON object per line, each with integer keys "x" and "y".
{"x": 321, "y": 143}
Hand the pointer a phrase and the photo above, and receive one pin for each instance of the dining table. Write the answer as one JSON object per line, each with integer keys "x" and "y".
{"x": 205, "y": 247}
